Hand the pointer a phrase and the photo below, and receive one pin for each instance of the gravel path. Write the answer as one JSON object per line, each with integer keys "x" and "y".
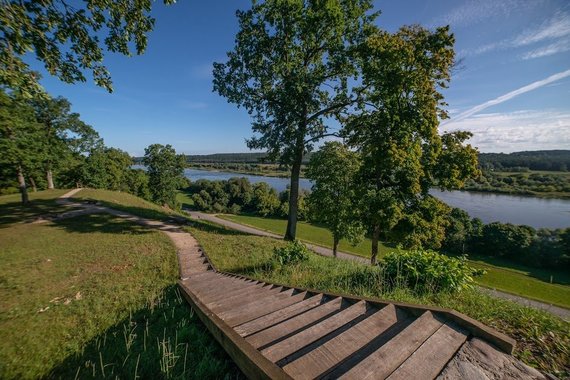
{"x": 559, "y": 311}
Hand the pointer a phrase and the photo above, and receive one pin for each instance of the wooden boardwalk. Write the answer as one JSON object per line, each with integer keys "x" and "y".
{"x": 280, "y": 332}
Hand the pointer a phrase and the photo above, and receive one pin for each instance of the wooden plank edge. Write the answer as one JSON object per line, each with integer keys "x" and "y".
{"x": 476, "y": 328}
{"x": 249, "y": 360}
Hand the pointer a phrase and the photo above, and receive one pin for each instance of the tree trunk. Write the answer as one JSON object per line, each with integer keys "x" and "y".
{"x": 33, "y": 183}
{"x": 375, "y": 238}
{"x": 22, "y": 185}
{"x": 291, "y": 231}
{"x": 335, "y": 246}
{"x": 49, "y": 177}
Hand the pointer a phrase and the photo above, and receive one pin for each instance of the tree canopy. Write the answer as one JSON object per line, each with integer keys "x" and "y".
{"x": 333, "y": 170}
{"x": 165, "y": 170}
{"x": 65, "y": 37}
{"x": 396, "y": 131}
{"x": 290, "y": 70}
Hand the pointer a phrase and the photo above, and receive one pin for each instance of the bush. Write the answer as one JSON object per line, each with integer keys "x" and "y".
{"x": 428, "y": 271}
{"x": 293, "y": 253}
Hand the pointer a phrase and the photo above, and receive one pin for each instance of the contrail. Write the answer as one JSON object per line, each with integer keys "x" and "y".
{"x": 509, "y": 96}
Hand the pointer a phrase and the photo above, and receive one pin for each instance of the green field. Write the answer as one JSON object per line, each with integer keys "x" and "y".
{"x": 517, "y": 280}
{"x": 95, "y": 297}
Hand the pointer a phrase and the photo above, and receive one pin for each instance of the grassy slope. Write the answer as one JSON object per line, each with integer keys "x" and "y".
{"x": 97, "y": 295}
{"x": 499, "y": 276}
{"x": 543, "y": 340}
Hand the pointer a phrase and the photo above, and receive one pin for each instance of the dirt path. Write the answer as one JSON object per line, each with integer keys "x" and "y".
{"x": 559, "y": 311}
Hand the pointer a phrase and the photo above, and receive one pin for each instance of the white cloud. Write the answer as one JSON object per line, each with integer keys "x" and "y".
{"x": 556, "y": 27}
{"x": 516, "y": 131}
{"x": 475, "y": 11}
{"x": 554, "y": 48}
{"x": 508, "y": 96}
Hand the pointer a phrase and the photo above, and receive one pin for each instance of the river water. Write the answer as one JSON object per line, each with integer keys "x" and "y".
{"x": 534, "y": 212}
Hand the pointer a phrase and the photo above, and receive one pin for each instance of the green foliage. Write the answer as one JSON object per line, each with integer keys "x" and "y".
{"x": 332, "y": 201}
{"x": 166, "y": 173}
{"x": 555, "y": 160}
{"x": 293, "y": 253}
{"x": 426, "y": 270}
{"x": 396, "y": 130}
{"x": 106, "y": 168}
{"x": 65, "y": 38}
{"x": 527, "y": 183}
{"x": 290, "y": 69}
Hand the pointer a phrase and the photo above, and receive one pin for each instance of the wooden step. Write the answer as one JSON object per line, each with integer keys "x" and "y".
{"x": 381, "y": 363}
{"x": 261, "y": 300}
{"x": 278, "y": 316}
{"x": 281, "y": 330}
{"x": 231, "y": 291}
{"x": 304, "y": 338}
{"x": 433, "y": 355}
{"x": 218, "y": 285}
{"x": 254, "y": 294}
{"x": 330, "y": 354}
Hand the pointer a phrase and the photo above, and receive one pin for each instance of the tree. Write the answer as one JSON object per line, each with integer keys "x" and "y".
{"x": 107, "y": 168}
{"x": 265, "y": 199}
{"x": 64, "y": 134}
{"x": 65, "y": 38}
{"x": 290, "y": 70}
{"x": 396, "y": 130}
{"x": 333, "y": 170}
{"x": 19, "y": 136}
{"x": 165, "y": 169}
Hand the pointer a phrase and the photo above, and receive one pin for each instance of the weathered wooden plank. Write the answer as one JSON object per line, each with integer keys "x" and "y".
{"x": 330, "y": 354}
{"x": 432, "y": 356}
{"x": 281, "y": 330}
{"x": 226, "y": 292}
{"x": 294, "y": 343}
{"x": 254, "y": 294}
{"x": 261, "y": 305}
{"x": 213, "y": 284}
{"x": 278, "y": 316}
{"x": 249, "y": 360}
{"x": 245, "y": 308}
{"x": 382, "y": 362}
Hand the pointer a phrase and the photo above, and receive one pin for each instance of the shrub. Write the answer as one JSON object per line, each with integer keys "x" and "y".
{"x": 425, "y": 270}
{"x": 293, "y": 253}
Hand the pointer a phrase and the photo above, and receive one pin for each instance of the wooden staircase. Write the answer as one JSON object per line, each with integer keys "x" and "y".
{"x": 281, "y": 332}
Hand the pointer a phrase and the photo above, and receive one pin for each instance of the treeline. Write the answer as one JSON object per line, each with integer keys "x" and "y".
{"x": 238, "y": 195}
{"x": 551, "y": 160}
{"x": 526, "y": 183}
{"x": 542, "y": 248}
{"x": 250, "y": 158}
{"x": 45, "y": 145}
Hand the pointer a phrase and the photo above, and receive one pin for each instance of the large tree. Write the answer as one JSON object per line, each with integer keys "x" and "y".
{"x": 65, "y": 37}
{"x": 291, "y": 69}
{"x": 165, "y": 170}
{"x": 20, "y": 135}
{"x": 333, "y": 170}
{"x": 396, "y": 131}
{"x": 63, "y": 134}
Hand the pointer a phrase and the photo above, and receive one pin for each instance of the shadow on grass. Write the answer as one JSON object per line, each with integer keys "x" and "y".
{"x": 164, "y": 339}
{"x": 105, "y": 223}
{"x": 15, "y": 212}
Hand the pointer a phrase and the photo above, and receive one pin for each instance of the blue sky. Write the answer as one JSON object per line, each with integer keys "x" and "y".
{"x": 512, "y": 91}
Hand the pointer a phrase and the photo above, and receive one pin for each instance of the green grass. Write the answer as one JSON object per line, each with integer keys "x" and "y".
{"x": 96, "y": 297}
{"x": 42, "y": 202}
{"x": 501, "y": 275}
{"x": 307, "y": 232}
{"x": 184, "y": 199}
{"x": 543, "y": 340}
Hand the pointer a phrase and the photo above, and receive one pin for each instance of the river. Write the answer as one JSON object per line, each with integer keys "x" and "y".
{"x": 535, "y": 212}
